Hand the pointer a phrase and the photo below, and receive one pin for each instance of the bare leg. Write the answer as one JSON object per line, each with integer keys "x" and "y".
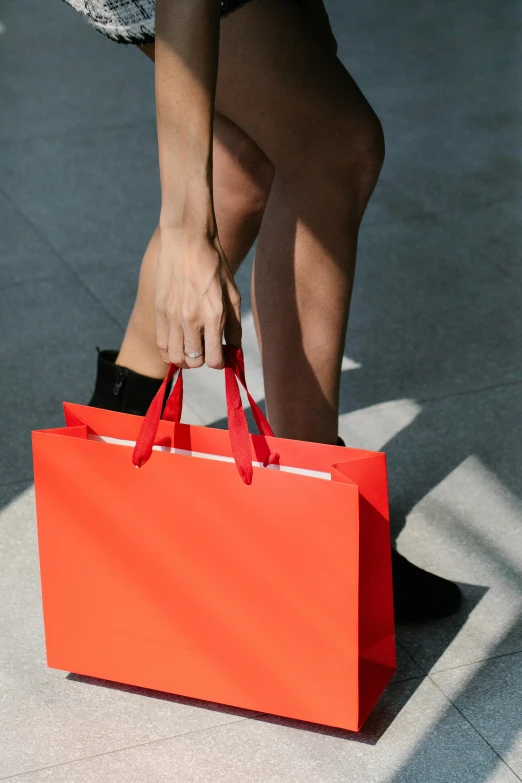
{"x": 301, "y": 107}
{"x": 242, "y": 179}
{"x": 300, "y": 298}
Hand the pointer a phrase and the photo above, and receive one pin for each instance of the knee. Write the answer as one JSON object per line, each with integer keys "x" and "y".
{"x": 347, "y": 155}
{"x": 364, "y": 153}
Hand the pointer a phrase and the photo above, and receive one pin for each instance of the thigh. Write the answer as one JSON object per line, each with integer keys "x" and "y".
{"x": 239, "y": 164}
{"x": 282, "y": 86}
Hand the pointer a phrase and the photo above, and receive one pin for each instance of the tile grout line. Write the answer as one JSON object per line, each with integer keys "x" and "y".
{"x": 506, "y": 272}
{"x": 474, "y": 663}
{"x": 164, "y": 739}
{"x": 453, "y": 704}
{"x": 57, "y": 253}
{"x": 464, "y": 392}
{"x": 128, "y": 747}
{"x": 79, "y": 133}
{"x": 36, "y": 279}
{"x": 407, "y": 679}
{"x": 78, "y": 278}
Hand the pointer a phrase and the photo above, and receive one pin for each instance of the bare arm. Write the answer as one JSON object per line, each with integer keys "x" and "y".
{"x": 195, "y": 291}
{"x": 187, "y": 41}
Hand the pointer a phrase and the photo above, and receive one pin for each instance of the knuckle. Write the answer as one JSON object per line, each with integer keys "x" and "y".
{"x": 215, "y": 363}
{"x": 218, "y": 316}
{"x": 171, "y": 312}
{"x": 189, "y": 315}
{"x": 216, "y": 307}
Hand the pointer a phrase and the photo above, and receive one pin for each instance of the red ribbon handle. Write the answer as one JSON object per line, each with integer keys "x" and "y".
{"x": 237, "y": 423}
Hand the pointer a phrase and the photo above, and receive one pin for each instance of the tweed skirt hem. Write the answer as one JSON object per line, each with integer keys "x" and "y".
{"x": 129, "y": 21}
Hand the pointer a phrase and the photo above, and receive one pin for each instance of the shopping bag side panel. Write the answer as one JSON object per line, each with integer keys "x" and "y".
{"x": 178, "y": 577}
{"x": 71, "y": 415}
{"x": 368, "y": 471}
{"x": 76, "y": 431}
{"x": 101, "y": 421}
{"x": 376, "y": 622}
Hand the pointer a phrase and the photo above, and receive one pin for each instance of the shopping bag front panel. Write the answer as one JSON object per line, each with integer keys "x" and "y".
{"x": 178, "y": 577}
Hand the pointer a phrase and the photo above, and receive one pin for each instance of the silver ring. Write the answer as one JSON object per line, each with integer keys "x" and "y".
{"x": 194, "y": 355}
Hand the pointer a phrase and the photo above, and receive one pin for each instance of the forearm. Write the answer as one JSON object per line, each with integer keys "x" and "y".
{"x": 187, "y": 44}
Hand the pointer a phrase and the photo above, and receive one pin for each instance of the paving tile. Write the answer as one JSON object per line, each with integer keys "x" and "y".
{"x": 95, "y": 196}
{"x": 414, "y": 732}
{"x": 392, "y": 204}
{"x": 59, "y": 76}
{"x": 372, "y": 427}
{"x": 426, "y": 440}
{"x": 24, "y": 254}
{"x": 428, "y": 317}
{"x": 48, "y": 717}
{"x": 489, "y": 695}
{"x": 114, "y": 287}
{"x": 491, "y": 234}
{"x": 51, "y": 328}
{"x": 407, "y": 669}
{"x": 455, "y": 493}
{"x": 15, "y": 455}
{"x": 450, "y": 110}
{"x": 455, "y": 501}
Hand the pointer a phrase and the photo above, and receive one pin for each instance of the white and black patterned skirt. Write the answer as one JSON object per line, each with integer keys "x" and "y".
{"x": 129, "y": 21}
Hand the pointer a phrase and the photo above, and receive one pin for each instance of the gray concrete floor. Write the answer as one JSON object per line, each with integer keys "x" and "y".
{"x": 432, "y": 375}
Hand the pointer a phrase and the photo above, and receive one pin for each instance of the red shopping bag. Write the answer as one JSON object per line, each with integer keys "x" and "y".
{"x": 242, "y": 569}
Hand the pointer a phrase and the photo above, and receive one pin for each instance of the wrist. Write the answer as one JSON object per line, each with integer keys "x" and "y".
{"x": 192, "y": 217}
{"x": 190, "y": 228}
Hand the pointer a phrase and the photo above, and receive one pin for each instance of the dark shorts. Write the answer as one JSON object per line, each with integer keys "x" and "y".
{"x": 129, "y": 21}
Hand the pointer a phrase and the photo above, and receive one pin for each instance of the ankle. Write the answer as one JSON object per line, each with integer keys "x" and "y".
{"x": 141, "y": 356}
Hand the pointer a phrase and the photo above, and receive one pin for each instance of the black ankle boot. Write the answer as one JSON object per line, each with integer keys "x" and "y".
{"x": 417, "y": 594}
{"x": 119, "y": 389}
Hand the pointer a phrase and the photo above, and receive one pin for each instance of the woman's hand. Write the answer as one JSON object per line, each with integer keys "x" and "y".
{"x": 196, "y": 300}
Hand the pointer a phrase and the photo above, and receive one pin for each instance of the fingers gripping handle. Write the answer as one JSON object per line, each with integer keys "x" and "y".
{"x": 237, "y": 423}
{"x": 174, "y": 404}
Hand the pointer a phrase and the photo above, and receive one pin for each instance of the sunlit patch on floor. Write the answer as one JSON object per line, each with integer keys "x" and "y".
{"x": 373, "y": 427}
{"x": 349, "y": 364}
